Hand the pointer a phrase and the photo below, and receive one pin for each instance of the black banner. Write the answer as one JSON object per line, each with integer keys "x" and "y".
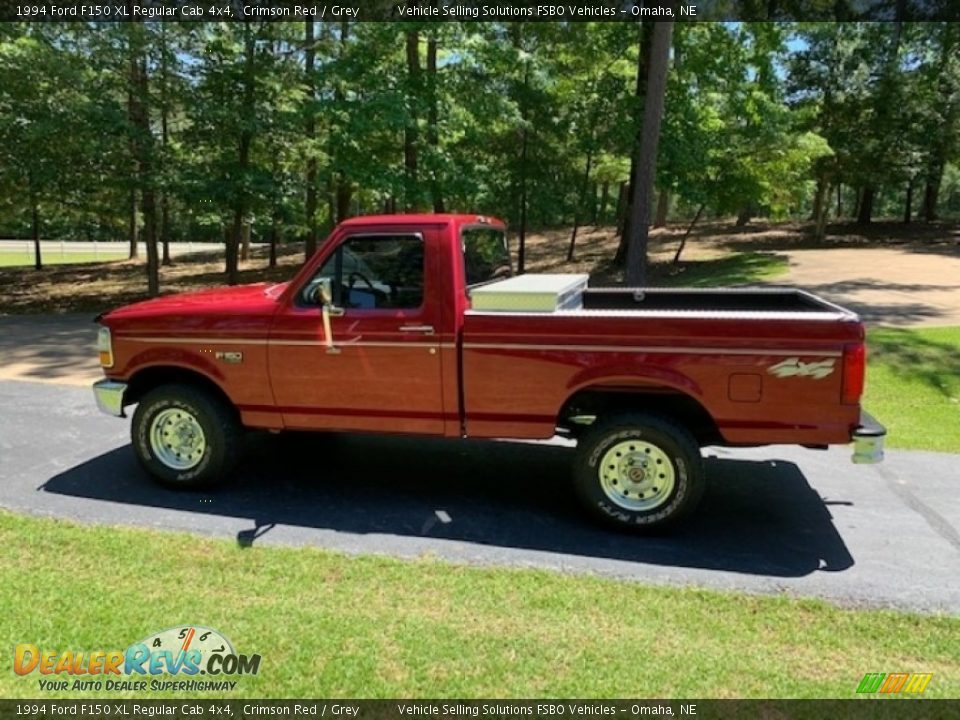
{"x": 470, "y": 11}
{"x": 197, "y": 709}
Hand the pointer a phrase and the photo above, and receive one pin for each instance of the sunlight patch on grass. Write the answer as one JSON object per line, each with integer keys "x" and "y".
{"x": 913, "y": 386}
{"x": 741, "y": 269}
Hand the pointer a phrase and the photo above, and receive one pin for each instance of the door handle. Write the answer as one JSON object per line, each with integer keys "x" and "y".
{"x": 425, "y": 329}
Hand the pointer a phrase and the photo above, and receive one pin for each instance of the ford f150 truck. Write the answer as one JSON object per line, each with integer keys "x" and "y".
{"x": 415, "y": 324}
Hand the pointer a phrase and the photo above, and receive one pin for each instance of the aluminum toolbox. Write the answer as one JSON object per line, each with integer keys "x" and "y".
{"x": 531, "y": 293}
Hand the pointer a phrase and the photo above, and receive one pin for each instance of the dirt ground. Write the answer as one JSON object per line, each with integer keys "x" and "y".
{"x": 889, "y": 273}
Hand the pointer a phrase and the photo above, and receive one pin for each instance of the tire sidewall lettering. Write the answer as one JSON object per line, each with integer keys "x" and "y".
{"x": 143, "y": 440}
{"x": 622, "y": 515}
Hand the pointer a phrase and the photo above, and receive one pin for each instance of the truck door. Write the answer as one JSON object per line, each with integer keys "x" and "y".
{"x": 382, "y": 372}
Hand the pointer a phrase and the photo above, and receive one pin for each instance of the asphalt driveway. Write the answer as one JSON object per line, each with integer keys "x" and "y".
{"x": 773, "y": 519}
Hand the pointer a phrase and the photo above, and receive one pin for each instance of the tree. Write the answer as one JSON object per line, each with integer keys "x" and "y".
{"x": 40, "y": 96}
{"x": 310, "y": 136}
{"x": 142, "y": 147}
{"x": 647, "y": 153}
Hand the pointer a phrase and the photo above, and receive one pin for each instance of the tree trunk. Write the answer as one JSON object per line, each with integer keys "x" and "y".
{"x": 165, "y": 230}
{"x": 131, "y": 89}
{"x": 150, "y": 238}
{"x": 147, "y": 191}
{"x": 745, "y": 215}
{"x": 908, "y": 204}
{"x": 411, "y": 194}
{"x": 164, "y": 140}
{"x": 143, "y": 154}
{"x": 243, "y": 157}
{"x": 950, "y": 116}
{"x": 230, "y": 235}
{"x": 931, "y": 192}
{"x": 820, "y": 209}
{"x": 818, "y": 198}
{"x": 663, "y": 207}
{"x": 622, "y": 203}
{"x": 522, "y": 237}
{"x": 865, "y": 213}
{"x": 580, "y": 202}
{"x": 274, "y": 237}
{"x": 683, "y": 240}
{"x": 433, "y": 134}
{"x": 643, "y": 66}
{"x": 820, "y": 221}
{"x": 245, "y": 242}
{"x": 524, "y": 147}
{"x": 647, "y": 163}
{"x": 132, "y": 228}
{"x": 310, "y": 130}
{"x": 857, "y": 194}
{"x": 839, "y": 199}
{"x": 604, "y": 199}
{"x": 344, "y": 196}
{"x": 35, "y": 222}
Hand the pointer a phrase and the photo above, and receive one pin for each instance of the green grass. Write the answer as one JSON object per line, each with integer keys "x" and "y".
{"x": 331, "y": 625}
{"x": 53, "y": 257}
{"x": 913, "y": 386}
{"x": 739, "y": 269}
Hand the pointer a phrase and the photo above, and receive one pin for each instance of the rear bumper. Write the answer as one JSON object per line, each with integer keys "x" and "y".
{"x": 109, "y": 395}
{"x": 868, "y": 440}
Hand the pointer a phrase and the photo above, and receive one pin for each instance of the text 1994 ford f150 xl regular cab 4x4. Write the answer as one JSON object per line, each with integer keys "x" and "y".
{"x": 414, "y": 324}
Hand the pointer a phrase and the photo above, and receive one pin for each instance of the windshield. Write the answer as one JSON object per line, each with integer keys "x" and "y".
{"x": 486, "y": 256}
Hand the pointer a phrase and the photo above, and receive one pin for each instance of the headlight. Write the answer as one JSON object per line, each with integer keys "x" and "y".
{"x": 105, "y": 347}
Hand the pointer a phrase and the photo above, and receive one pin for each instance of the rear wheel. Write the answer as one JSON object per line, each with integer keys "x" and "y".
{"x": 639, "y": 471}
{"x": 185, "y": 436}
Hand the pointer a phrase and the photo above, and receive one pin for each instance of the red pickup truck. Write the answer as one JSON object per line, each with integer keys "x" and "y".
{"x": 415, "y": 324}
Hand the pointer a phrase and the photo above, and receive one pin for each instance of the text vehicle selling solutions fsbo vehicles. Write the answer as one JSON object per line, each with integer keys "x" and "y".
{"x": 415, "y": 324}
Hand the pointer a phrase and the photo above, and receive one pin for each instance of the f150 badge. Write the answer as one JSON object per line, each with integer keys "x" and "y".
{"x": 794, "y": 367}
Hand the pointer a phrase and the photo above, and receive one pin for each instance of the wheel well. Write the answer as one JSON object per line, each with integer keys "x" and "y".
{"x": 677, "y": 406}
{"x": 147, "y": 379}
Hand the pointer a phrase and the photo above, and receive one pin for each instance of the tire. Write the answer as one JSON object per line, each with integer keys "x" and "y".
{"x": 639, "y": 472}
{"x": 185, "y": 437}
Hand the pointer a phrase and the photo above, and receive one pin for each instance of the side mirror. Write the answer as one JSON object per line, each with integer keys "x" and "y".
{"x": 325, "y": 291}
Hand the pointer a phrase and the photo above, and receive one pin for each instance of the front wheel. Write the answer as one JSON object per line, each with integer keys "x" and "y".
{"x": 639, "y": 472}
{"x": 185, "y": 436}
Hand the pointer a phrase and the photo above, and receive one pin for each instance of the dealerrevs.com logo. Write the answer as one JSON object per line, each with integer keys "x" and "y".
{"x": 173, "y": 659}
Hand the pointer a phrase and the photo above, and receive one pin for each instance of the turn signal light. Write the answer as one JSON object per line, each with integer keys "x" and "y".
{"x": 105, "y": 347}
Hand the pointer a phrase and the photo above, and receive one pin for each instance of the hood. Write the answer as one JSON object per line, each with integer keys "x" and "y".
{"x": 241, "y": 299}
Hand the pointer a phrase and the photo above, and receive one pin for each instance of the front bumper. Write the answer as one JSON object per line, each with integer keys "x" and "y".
{"x": 109, "y": 395}
{"x": 868, "y": 440}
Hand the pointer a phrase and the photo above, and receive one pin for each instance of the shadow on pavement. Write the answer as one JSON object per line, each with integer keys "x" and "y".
{"x": 759, "y": 518}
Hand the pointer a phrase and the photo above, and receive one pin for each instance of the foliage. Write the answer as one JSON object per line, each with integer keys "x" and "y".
{"x": 535, "y": 120}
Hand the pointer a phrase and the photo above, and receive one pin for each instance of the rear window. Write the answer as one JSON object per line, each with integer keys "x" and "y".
{"x": 486, "y": 256}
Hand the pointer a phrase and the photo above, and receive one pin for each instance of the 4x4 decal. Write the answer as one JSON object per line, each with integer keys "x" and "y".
{"x": 794, "y": 367}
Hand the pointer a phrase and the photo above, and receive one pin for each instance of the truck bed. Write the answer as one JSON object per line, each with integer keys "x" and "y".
{"x": 762, "y": 300}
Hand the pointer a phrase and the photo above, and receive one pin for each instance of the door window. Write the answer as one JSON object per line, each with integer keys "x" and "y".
{"x": 373, "y": 272}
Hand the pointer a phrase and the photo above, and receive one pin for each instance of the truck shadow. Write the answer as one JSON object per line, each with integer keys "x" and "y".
{"x": 760, "y": 518}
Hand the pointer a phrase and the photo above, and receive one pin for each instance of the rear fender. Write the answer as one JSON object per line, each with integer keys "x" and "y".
{"x": 632, "y": 375}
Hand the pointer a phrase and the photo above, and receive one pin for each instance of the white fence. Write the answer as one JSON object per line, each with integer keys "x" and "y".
{"x": 107, "y": 250}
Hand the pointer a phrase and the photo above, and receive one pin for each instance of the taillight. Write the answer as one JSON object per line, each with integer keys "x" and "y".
{"x": 854, "y": 368}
